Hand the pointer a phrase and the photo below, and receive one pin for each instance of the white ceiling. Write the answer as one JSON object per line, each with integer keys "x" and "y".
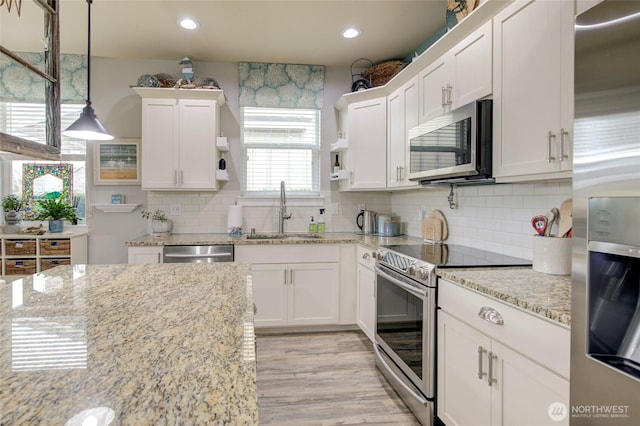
{"x": 292, "y": 31}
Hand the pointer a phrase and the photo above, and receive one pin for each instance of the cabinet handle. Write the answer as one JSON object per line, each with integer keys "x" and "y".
{"x": 401, "y": 172}
{"x": 491, "y": 315}
{"x": 481, "y": 352}
{"x": 397, "y": 173}
{"x": 449, "y": 89}
{"x": 175, "y": 177}
{"x": 181, "y": 177}
{"x": 490, "y": 379}
{"x": 550, "y": 137}
{"x": 290, "y": 276}
{"x": 285, "y": 277}
{"x": 563, "y": 133}
{"x": 443, "y": 103}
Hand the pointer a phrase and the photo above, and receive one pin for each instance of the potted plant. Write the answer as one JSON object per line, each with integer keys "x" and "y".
{"x": 55, "y": 210}
{"x": 160, "y": 224}
{"x": 11, "y": 204}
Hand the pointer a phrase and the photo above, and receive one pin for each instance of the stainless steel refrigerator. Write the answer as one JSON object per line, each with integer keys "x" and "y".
{"x": 605, "y": 309}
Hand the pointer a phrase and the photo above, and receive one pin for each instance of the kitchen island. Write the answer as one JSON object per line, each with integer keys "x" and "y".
{"x": 139, "y": 344}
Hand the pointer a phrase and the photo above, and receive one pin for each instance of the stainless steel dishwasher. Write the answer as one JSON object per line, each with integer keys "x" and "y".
{"x": 198, "y": 254}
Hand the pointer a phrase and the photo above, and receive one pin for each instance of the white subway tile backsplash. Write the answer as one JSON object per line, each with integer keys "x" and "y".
{"x": 491, "y": 217}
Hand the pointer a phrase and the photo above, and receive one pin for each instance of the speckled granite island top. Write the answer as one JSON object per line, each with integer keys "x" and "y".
{"x": 543, "y": 294}
{"x": 156, "y": 344}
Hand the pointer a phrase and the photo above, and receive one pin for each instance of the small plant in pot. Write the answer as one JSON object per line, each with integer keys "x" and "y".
{"x": 160, "y": 224}
{"x": 12, "y": 205}
{"x": 55, "y": 210}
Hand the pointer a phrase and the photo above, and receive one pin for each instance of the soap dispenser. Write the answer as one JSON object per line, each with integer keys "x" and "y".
{"x": 313, "y": 227}
{"x": 321, "y": 224}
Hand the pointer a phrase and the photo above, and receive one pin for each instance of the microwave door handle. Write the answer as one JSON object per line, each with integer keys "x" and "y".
{"x": 416, "y": 292}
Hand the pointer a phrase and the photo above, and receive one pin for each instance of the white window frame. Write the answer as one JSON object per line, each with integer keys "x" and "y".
{"x": 315, "y": 148}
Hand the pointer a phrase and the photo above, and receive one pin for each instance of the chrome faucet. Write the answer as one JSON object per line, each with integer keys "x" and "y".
{"x": 283, "y": 209}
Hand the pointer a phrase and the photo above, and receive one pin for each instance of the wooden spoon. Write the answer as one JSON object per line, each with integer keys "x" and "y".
{"x": 566, "y": 218}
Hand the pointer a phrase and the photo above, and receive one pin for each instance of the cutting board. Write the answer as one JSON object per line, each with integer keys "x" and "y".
{"x": 434, "y": 227}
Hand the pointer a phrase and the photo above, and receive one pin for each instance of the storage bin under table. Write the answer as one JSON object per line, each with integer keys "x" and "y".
{"x": 55, "y": 247}
{"x": 52, "y": 263}
{"x": 20, "y": 266}
{"x": 20, "y": 247}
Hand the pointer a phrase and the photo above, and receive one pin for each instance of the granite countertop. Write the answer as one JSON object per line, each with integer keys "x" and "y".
{"x": 543, "y": 294}
{"x": 157, "y": 344}
{"x": 370, "y": 241}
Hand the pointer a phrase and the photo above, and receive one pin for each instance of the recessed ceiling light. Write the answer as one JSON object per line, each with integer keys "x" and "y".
{"x": 188, "y": 23}
{"x": 350, "y": 33}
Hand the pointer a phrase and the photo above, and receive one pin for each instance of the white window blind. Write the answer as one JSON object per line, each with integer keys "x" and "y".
{"x": 281, "y": 144}
{"x": 28, "y": 121}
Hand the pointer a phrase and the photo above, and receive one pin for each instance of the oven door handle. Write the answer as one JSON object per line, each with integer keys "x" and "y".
{"x": 413, "y": 393}
{"x": 411, "y": 289}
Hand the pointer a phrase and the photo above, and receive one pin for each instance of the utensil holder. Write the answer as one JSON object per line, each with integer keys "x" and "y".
{"x": 552, "y": 255}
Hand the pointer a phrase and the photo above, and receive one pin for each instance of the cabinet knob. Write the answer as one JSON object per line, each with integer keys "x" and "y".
{"x": 491, "y": 315}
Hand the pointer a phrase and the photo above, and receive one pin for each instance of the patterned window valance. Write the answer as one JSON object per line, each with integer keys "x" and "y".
{"x": 281, "y": 85}
{"x": 20, "y": 85}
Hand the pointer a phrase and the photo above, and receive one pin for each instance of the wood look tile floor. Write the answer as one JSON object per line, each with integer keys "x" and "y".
{"x": 324, "y": 379}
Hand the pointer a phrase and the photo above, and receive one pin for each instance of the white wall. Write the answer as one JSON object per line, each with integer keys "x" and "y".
{"x": 496, "y": 218}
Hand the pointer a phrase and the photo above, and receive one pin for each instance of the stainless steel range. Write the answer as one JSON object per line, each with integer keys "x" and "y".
{"x": 406, "y": 287}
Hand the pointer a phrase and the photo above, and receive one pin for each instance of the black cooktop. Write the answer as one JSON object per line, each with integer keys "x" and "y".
{"x": 455, "y": 256}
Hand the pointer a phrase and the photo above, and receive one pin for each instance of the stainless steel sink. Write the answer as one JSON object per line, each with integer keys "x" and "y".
{"x": 288, "y": 236}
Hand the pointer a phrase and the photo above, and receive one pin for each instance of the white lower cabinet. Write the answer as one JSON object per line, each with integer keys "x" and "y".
{"x": 144, "y": 254}
{"x": 515, "y": 373}
{"x": 366, "y": 292}
{"x": 303, "y": 291}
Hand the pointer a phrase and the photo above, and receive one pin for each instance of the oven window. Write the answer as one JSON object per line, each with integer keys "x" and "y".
{"x": 399, "y": 323}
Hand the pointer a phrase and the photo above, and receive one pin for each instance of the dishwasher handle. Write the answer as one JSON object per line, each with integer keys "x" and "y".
{"x": 196, "y": 256}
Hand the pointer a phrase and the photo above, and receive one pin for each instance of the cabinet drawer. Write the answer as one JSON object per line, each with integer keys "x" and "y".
{"x": 20, "y": 247}
{"x": 19, "y": 266}
{"x": 538, "y": 339}
{"x": 55, "y": 247}
{"x": 287, "y": 253}
{"x": 365, "y": 257}
{"x": 52, "y": 263}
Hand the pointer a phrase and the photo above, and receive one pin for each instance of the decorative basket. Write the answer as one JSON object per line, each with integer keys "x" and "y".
{"x": 55, "y": 247}
{"x": 380, "y": 74}
{"x": 20, "y": 247}
{"x": 52, "y": 263}
{"x": 19, "y": 266}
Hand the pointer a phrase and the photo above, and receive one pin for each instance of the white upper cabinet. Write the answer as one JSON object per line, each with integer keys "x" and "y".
{"x": 533, "y": 90}
{"x": 179, "y": 130}
{"x": 402, "y": 111}
{"x": 458, "y": 77}
{"x": 366, "y": 132}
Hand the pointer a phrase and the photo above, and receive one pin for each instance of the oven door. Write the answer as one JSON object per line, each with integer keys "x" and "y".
{"x": 405, "y": 326}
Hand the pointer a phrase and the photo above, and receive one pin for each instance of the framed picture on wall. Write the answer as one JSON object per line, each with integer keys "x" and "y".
{"x": 116, "y": 162}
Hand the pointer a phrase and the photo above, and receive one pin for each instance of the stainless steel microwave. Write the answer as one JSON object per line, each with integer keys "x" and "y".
{"x": 456, "y": 146}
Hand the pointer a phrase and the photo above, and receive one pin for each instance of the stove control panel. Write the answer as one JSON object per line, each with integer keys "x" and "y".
{"x": 411, "y": 267}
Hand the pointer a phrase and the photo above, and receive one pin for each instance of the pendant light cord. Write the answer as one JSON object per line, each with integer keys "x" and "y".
{"x": 89, "y": 51}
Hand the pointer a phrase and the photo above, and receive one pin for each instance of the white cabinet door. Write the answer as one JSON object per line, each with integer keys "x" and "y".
{"x": 366, "y": 300}
{"x": 313, "y": 293}
{"x": 533, "y": 89}
{"x": 159, "y": 150}
{"x": 464, "y": 397}
{"x": 367, "y": 159}
{"x": 179, "y": 142}
{"x": 144, "y": 254}
{"x": 526, "y": 390}
{"x": 460, "y": 76}
{"x": 197, "y": 136}
{"x": 433, "y": 88}
{"x": 270, "y": 294}
{"x": 402, "y": 108}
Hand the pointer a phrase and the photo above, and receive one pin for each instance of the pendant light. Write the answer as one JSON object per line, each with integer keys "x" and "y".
{"x": 88, "y": 126}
